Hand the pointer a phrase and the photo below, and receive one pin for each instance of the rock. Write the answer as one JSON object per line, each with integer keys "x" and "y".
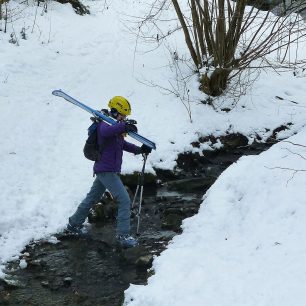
{"x": 189, "y": 162}
{"x": 191, "y": 184}
{"x": 45, "y": 284}
{"x": 4, "y": 298}
{"x": 13, "y": 283}
{"x": 166, "y": 175}
{"x": 67, "y": 281}
{"x": 131, "y": 180}
{"x": 173, "y": 212}
{"x": 80, "y": 297}
{"x": 144, "y": 261}
{"x": 56, "y": 284}
{"x": 105, "y": 210}
{"x": 131, "y": 255}
{"x": 232, "y": 141}
{"x": 78, "y": 7}
{"x": 37, "y": 263}
{"x": 172, "y": 222}
{"x": 273, "y": 137}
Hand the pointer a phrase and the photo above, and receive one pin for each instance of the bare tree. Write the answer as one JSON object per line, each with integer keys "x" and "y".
{"x": 224, "y": 37}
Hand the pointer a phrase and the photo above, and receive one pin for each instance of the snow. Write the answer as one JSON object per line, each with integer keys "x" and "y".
{"x": 246, "y": 246}
{"x": 23, "y": 264}
{"x": 43, "y": 174}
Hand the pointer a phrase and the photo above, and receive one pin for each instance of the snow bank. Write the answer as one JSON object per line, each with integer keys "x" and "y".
{"x": 247, "y": 244}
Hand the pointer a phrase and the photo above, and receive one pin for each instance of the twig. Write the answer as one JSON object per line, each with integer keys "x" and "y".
{"x": 295, "y": 171}
{"x": 35, "y": 16}
{"x": 280, "y": 98}
{"x": 295, "y": 144}
{"x": 300, "y": 155}
{"x": 284, "y": 168}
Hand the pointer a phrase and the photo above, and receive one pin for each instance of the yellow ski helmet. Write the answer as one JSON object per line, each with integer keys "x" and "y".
{"x": 121, "y": 104}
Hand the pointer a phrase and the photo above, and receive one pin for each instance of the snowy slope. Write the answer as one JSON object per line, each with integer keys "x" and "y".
{"x": 247, "y": 244}
{"x": 43, "y": 174}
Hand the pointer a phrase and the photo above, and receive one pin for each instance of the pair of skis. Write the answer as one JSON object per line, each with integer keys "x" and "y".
{"x": 99, "y": 115}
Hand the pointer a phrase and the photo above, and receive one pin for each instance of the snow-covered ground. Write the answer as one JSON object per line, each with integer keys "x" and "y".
{"x": 43, "y": 174}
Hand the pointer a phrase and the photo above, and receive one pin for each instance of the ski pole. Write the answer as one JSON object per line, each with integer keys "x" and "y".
{"x": 140, "y": 185}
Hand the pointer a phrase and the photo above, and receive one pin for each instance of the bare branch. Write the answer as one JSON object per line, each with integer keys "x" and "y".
{"x": 294, "y": 153}
{"x": 295, "y": 144}
{"x": 284, "y": 168}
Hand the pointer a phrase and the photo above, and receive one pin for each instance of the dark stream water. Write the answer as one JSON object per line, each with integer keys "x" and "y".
{"x": 93, "y": 270}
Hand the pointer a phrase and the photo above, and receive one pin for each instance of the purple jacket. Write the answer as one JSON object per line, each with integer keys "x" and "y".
{"x": 114, "y": 144}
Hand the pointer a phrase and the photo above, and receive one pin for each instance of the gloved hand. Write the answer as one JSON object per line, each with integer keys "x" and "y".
{"x": 130, "y": 128}
{"x": 144, "y": 149}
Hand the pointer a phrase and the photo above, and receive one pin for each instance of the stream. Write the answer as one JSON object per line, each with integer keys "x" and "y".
{"x": 69, "y": 270}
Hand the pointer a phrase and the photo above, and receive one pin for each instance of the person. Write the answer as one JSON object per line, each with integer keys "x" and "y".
{"x": 107, "y": 171}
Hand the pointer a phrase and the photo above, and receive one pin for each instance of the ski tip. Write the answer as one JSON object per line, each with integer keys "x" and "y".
{"x": 56, "y": 92}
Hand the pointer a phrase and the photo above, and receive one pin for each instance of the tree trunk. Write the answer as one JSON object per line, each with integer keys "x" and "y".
{"x": 1, "y": 6}
{"x": 77, "y": 5}
{"x": 186, "y": 33}
{"x": 215, "y": 84}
